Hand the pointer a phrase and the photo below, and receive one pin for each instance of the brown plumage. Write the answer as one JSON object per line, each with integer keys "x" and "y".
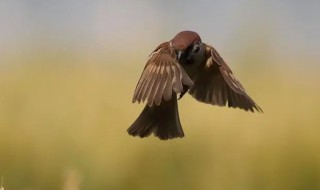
{"x": 184, "y": 64}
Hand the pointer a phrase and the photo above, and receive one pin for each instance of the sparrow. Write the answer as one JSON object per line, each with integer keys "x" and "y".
{"x": 184, "y": 64}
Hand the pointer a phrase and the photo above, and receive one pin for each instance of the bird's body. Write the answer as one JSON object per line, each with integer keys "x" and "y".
{"x": 182, "y": 65}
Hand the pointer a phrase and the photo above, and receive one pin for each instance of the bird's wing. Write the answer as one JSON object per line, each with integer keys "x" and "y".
{"x": 214, "y": 83}
{"x": 162, "y": 76}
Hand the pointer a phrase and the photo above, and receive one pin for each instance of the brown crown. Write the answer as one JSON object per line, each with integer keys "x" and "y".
{"x": 184, "y": 39}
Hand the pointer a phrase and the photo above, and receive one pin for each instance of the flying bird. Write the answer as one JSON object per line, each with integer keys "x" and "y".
{"x": 184, "y": 64}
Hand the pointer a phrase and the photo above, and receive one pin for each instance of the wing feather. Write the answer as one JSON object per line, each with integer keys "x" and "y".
{"x": 214, "y": 83}
{"x": 176, "y": 82}
{"x": 162, "y": 76}
{"x": 168, "y": 87}
{"x": 159, "y": 93}
{"x": 154, "y": 86}
{"x": 149, "y": 80}
{"x": 140, "y": 87}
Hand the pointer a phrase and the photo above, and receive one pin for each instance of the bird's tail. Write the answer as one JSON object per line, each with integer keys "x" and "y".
{"x": 163, "y": 121}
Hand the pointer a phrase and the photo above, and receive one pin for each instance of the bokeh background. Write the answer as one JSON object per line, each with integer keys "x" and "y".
{"x": 68, "y": 70}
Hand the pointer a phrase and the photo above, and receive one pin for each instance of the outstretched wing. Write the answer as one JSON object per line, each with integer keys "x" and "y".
{"x": 214, "y": 83}
{"x": 162, "y": 76}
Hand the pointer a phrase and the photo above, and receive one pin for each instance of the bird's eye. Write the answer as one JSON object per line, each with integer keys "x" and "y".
{"x": 196, "y": 48}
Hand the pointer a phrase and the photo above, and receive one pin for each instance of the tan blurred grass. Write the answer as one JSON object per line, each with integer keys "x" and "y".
{"x": 60, "y": 117}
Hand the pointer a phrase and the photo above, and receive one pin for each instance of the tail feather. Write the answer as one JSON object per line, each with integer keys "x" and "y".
{"x": 163, "y": 121}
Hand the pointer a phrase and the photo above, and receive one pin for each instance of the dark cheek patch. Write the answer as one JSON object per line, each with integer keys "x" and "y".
{"x": 188, "y": 56}
{"x": 188, "y": 52}
{"x": 196, "y": 49}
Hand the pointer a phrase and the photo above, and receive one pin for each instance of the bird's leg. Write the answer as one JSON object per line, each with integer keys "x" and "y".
{"x": 185, "y": 90}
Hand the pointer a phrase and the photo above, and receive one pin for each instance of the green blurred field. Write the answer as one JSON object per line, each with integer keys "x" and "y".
{"x": 63, "y": 126}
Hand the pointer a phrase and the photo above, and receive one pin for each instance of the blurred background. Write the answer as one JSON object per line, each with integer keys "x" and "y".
{"x": 68, "y": 70}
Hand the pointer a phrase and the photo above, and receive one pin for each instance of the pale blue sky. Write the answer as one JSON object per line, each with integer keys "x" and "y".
{"x": 292, "y": 26}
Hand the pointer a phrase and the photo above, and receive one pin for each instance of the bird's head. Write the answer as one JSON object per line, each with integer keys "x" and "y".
{"x": 187, "y": 45}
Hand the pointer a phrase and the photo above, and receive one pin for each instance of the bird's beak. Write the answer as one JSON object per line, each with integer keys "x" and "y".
{"x": 180, "y": 54}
